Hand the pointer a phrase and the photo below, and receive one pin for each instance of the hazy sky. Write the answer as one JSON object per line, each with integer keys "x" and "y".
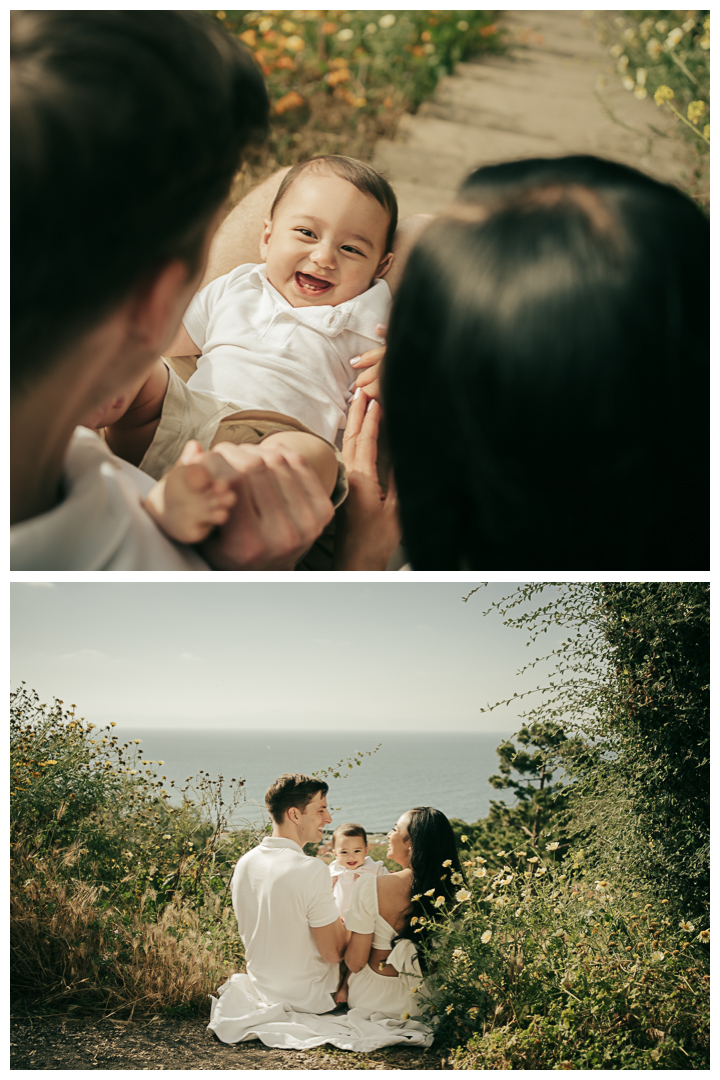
{"x": 367, "y": 656}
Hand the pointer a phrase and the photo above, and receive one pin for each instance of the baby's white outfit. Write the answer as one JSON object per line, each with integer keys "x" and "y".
{"x": 260, "y": 352}
{"x": 343, "y": 887}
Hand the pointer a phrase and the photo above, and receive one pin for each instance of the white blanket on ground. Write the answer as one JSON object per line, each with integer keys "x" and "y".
{"x": 237, "y": 1014}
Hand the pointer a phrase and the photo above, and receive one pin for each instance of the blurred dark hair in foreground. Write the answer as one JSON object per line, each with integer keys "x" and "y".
{"x": 546, "y": 379}
{"x": 127, "y": 127}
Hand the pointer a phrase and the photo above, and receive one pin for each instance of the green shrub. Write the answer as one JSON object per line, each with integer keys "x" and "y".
{"x": 666, "y": 55}
{"x": 119, "y": 900}
{"x": 339, "y": 80}
{"x": 543, "y": 966}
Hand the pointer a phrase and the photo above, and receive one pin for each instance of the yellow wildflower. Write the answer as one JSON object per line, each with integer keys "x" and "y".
{"x": 663, "y": 93}
{"x": 464, "y": 839}
{"x": 696, "y": 109}
{"x": 439, "y": 901}
{"x": 706, "y": 132}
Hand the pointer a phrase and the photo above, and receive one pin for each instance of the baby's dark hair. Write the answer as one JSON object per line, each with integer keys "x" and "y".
{"x": 366, "y": 179}
{"x": 348, "y": 830}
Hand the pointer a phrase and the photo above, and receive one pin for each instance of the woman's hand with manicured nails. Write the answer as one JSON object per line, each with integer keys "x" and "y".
{"x": 368, "y": 530}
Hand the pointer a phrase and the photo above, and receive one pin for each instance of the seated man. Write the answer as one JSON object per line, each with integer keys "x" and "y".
{"x": 283, "y": 900}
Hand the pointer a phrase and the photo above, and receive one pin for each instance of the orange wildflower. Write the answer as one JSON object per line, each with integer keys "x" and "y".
{"x": 328, "y": 28}
{"x": 487, "y": 31}
{"x": 338, "y": 76}
{"x": 249, "y": 37}
{"x": 293, "y": 100}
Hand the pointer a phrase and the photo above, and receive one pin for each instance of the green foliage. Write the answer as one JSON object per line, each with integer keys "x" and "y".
{"x": 601, "y": 960}
{"x": 666, "y": 54}
{"x": 111, "y": 886}
{"x": 544, "y": 966}
{"x": 630, "y": 688}
{"x": 658, "y": 712}
{"x": 339, "y": 80}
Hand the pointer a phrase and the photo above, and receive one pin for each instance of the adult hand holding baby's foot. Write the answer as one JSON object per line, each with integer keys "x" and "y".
{"x": 195, "y": 496}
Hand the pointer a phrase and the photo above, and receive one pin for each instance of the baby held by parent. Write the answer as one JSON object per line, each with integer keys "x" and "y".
{"x": 349, "y": 845}
{"x": 276, "y": 342}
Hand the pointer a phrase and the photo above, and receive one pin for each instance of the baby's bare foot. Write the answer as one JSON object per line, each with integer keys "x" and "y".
{"x": 341, "y": 996}
{"x": 190, "y": 501}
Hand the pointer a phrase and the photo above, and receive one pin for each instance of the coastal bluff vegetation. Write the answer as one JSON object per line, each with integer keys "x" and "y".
{"x": 580, "y": 929}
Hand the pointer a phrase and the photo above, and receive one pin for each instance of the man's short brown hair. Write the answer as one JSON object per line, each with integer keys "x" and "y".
{"x": 292, "y": 789}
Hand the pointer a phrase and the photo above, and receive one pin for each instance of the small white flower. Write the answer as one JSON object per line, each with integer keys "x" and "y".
{"x": 674, "y": 37}
{"x": 346, "y": 34}
{"x": 386, "y": 21}
{"x": 553, "y": 846}
{"x": 641, "y": 76}
{"x": 448, "y": 862}
{"x": 486, "y": 937}
{"x": 480, "y": 872}
{"x": 540, "y": 871}
{"x": 687, "y": 926}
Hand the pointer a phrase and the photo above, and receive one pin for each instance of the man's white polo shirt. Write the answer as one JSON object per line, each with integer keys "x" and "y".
{"x": 260, "y": 352}
{"x": 278, "y": 893}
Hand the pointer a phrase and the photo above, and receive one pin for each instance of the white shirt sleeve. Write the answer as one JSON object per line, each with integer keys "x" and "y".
{"x": 197, "y": 316}
{"x": 321, "y": 909}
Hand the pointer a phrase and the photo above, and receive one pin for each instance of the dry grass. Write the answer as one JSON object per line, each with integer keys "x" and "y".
{"x": 69, "y": 949}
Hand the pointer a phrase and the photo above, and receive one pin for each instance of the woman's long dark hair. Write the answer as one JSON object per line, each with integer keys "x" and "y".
{"x": 546, "y": 380}
{"x": 432, "y": 846}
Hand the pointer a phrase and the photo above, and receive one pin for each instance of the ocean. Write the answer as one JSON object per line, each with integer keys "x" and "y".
{"x": 447, "y": 770}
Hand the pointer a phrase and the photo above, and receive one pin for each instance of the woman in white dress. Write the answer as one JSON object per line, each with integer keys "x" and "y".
{"x": 390, "y": 918}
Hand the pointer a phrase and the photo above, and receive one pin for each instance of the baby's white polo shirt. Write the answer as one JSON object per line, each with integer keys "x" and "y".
{"x": 278, "y": 893}
{"x": 260, "y": 352}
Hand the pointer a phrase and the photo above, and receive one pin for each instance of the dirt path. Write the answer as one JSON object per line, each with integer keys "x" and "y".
{"x": 162, "y": 1043}
{"x": 554, "y": 92}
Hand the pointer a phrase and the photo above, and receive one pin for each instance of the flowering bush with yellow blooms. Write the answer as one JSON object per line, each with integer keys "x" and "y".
{"x": 339, "y": 80}
{"x": 117, "y": 888}
{"x": 567, "y": 972}
{"x": 666, "y": 55}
